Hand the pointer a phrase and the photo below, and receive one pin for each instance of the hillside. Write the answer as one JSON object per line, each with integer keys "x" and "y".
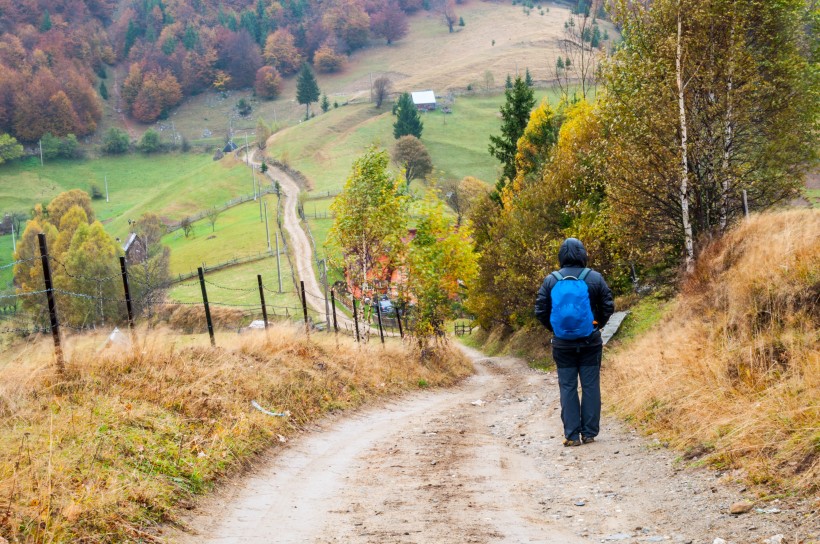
{"x": 731, "y": 371}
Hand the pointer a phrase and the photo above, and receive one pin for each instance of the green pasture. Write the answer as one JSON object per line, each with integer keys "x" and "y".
{"x": 324, "y": 148}
{"x": 237, "y": 286}
{"x": 6, "y": 257}
{"x": 172, "y": 185}
{"x": 238, "y": 232}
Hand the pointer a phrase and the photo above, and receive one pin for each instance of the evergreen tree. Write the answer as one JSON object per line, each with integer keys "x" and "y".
{"x": 408, "y": 120}
{"x": 45, "y": 24}
{"x": 515, "y": 114}
{"x": 560, "y": 63}
{"x": 325, "y": 103}
{"x": 508, "y": 82}
{"x": 103, "y": 90}
{"x": 307, "y": 90}
{"x": 528, "y": 78}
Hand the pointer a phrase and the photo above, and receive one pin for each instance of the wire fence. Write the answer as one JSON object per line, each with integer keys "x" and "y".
{"x": 191, "y": 219}
{"x": 88, "y": 306}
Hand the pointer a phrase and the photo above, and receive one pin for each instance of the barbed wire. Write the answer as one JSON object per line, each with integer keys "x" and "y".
{"x": 9, "y": 265}
{"x": 85, "y": 278}
{"x": 243, "y": 289}
{"x": 23, "y": 294}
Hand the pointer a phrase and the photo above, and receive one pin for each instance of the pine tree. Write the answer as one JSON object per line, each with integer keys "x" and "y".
{"x": 325, "y": 103}
{"x": 528, "y": 78}
{"x": 45, "y": 24}
{"x": 103, "y": 90}
{"x": 508, "y": 82}
{"x": 560, "y": 63}
{"x": 515, "y": 114}
{"x": 408, "y": 120}
{"x": 307, "y": 90}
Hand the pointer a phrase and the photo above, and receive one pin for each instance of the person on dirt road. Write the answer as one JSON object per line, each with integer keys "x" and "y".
{"x": 574, "y": 303}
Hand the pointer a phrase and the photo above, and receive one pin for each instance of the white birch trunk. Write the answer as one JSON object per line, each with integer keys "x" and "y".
{"x": 728, "y": 133}
{"x": 684, "y": 173}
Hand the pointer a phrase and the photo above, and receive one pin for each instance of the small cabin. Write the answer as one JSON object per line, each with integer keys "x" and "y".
{"x": 229, "y": 147}
{"x": 424, "y": 100}
{"x": 135, "y": 248}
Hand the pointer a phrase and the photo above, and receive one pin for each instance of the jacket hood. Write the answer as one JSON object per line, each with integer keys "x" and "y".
{"x": 572, "y": 253}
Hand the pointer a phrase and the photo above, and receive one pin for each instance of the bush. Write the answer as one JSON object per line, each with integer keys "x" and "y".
{"x": 150, "y": 141}
{"x": 96, "y": 192}
{"x": 115, "y": 141}
{"x": 244, "y": 107}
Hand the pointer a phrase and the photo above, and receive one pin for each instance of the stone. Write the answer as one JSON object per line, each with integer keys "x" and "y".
{"x": 620, "y": 536}
{"x": 776, "y": 539}
{"x": 718, "y": 541}
{"x": 740, "y": 507}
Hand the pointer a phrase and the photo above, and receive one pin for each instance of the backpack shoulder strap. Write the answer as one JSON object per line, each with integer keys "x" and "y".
{"x": 557, "y": 275}
{"x": 584, "y": 273}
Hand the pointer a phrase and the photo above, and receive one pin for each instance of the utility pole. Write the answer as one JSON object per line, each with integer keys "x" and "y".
{"x": 278, "y": 262}
{"x": 267, "y": 231}
{"x": 327, "y": 304}
{"x": 106, "y": 188}
{"x": 41, "y": 152}
{"x": 13, "y": 238}
{"x": 247, "y": 150}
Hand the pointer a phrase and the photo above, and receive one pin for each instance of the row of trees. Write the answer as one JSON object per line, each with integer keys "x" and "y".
{"x": 85, "y": 261}
{"x": 370, "y": 237}
{"x": 704, "y": 101}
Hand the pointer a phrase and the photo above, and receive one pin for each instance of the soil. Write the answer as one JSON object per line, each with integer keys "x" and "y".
{"x": 483, "y": 462}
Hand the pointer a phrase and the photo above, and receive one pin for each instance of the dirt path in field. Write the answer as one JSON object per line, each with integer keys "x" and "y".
{"x": 481, "y": 462}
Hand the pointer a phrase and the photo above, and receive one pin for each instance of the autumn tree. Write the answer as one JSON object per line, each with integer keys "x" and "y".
{"x": 348, "y": 21}
{"x": 462, "y": 195}
{"x": 369, "y": 220}
{"x": 67, "y": 200}
{"x": 268, "y": 83}
{"x": 281, "y": 52}
{"x": 515, "y": 113}
{"x": 381, "y": 88}
{"x": 263, "y": 132}
{"x": 448, "y": 13}
{"x": 307, "y": 90}
{"x": 408, "y": 121}
{"x": 326, "y": 60}
{"x": 9, "y": 148}
{"x": 389, "y": 22}
{"x": 412, "y": 157}
{"x": 441, "y": 266}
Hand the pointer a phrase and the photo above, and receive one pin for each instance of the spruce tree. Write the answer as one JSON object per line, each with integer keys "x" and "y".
{"x": 307, "y": 90}
{"x": 103, "y": 90}
{"x": 45, "y": 23}
{"x": 515, "y": 114}
{"x": 325, "y": 103}
{"x": 408, "y": 120}
{"x": 528, "y": 78}
{"x": 508, "y": 83}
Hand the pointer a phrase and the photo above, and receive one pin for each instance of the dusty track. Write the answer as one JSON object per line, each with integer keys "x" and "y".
{"x": 437, "y": 467}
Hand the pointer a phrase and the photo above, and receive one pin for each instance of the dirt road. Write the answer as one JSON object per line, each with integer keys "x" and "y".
{"x": 481, "y": 462}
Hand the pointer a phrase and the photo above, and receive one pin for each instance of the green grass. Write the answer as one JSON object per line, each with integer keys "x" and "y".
{"x": 6, "y": 257}
{"x": 237, "y": 286}
{"x": 324, "y": 148}
{"x": 238, "y": 232}
{"x": 813, "y": 196}
{"x": 169, "y": 185}
{"x": 642, "y": 316}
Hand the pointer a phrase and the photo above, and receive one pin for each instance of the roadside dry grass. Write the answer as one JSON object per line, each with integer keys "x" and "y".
{"x": 731, "y": 373}
{"x": 127, "y": 436}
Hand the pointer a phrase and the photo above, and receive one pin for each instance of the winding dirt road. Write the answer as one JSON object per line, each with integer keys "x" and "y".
{"x": 481, "y": 462}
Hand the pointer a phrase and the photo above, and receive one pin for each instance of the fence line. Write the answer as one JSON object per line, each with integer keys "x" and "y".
{"x": 225, "y": 264}
{"x": 173, "y": 227}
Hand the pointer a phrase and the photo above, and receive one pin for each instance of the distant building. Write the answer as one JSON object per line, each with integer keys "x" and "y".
{"x": 135, "y": 248}
{"x": 229, "y": 147}
{"x": 424, "y": 100}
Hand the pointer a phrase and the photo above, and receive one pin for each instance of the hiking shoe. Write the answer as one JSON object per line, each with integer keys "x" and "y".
{"x": 587, "y": 439}
{"x": 569, "y": 443}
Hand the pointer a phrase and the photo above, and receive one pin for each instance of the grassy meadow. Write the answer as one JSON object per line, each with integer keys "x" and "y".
{"x": 5, "y": 258}
{"x": 170, "y": 185}
{"x": 324, "y": 148}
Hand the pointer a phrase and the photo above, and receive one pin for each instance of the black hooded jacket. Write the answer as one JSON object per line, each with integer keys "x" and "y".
{"x": 573, "y": 259}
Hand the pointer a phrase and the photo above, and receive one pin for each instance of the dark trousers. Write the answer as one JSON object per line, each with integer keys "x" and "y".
{"x": 580, "y": 416}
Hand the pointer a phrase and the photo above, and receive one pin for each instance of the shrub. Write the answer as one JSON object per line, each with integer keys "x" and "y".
{"x": 115, "y": 141}
{"x": 150, "y": 141}
{"x": 96, "y": 192}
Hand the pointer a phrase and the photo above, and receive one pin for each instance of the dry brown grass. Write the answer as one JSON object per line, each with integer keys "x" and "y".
{"x": 732, "y": 373}
{"x": 108, "y": 451}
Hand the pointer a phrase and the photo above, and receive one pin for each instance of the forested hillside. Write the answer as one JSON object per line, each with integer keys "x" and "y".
{"x": 54, "y": 53}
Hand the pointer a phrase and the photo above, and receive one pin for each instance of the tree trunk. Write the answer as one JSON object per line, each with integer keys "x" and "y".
{"x": 728, "y": 133}
{"x": 688, "y": 241}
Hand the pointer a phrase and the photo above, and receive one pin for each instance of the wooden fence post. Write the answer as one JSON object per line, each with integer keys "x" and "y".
{"x": 201, "y": 274}
{"x": 52, "y": 306}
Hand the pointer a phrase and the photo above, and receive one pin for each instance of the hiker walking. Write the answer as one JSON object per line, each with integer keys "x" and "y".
{"x": 575, "y": 303}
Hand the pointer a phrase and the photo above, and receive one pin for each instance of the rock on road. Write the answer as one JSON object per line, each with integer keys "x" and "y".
{"x": 480, "y": 462}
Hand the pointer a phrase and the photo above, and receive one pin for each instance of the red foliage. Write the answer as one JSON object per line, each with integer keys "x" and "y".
{"x": 281, "y": 52}
{"x": 268, "y": 82}
{"x": 389, "y": 23}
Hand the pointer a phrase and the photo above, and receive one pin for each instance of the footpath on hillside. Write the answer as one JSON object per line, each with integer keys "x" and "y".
{"x": 481, "y": 462}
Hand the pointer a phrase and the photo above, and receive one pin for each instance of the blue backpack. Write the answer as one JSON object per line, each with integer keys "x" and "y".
{"x": 571, "y": 316}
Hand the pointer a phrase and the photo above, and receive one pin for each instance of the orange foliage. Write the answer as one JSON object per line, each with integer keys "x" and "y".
{"x": 281, "y": 52}
{"x": 268, "y": 82}
{"x": 327, "y": 60}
